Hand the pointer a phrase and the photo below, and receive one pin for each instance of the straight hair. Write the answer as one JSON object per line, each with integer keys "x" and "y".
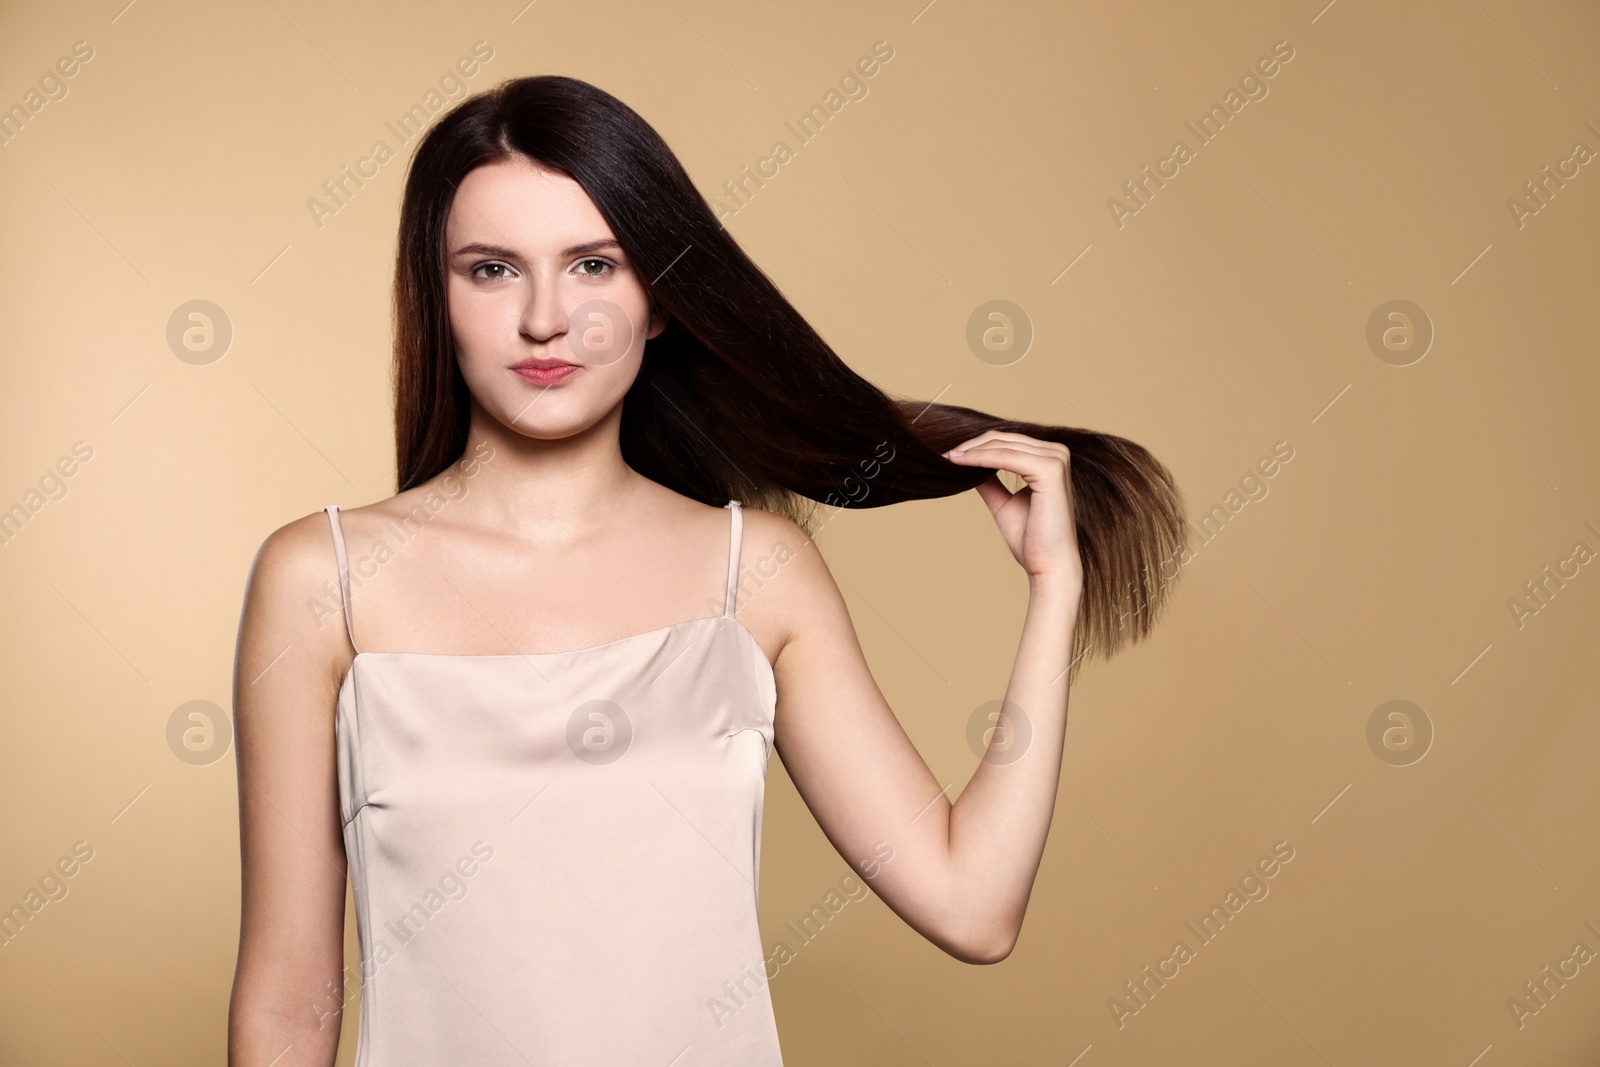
{"x": 739, "y": 397}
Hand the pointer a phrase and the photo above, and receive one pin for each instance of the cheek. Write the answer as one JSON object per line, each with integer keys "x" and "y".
{"x": 474, "y": 321}
{"x": 607, "y": 330}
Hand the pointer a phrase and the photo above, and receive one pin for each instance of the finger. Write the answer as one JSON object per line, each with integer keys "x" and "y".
{"x": 987, "y": 435}
{"x": 1016, "y": 439}
{"x": 997, "y": 454}
{"x": 1037, "y": 448}
{"x": 1035, "y": 468}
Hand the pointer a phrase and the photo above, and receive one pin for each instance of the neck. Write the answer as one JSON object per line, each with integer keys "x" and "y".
{"x": 547, "y": 488}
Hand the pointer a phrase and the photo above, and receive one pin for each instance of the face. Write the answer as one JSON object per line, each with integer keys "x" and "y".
{"x": 549, "y": 318}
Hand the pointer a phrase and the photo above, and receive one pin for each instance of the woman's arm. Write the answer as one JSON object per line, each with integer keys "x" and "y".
{"x": 289, "y": 988}
{"x": 961, "y": 873}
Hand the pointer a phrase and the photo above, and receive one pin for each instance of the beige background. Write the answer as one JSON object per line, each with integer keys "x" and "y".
{"x": 1227, "y": 315}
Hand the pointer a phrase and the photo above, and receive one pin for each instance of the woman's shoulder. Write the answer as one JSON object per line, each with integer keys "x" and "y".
{"x": 301, "y": 554}
{"x": 775, "y": 531}
{"x": 298, "y": 550}
{"x": 296, "y": 564}
{"x": 291, "y": 592}
{"x": 785, "y": 586}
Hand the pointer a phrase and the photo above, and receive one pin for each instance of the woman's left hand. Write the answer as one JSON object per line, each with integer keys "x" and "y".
{"x": 1037, "y": 520}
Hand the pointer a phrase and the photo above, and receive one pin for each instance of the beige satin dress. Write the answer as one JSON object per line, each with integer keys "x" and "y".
{"x": 555, "y": 856}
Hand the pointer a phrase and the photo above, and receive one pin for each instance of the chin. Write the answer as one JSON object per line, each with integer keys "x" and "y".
{"x": 547, "y": 419}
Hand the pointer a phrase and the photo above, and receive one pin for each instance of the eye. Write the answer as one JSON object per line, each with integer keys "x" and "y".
{"x": 491, "y": 266}
{"x": 596, "y": 273}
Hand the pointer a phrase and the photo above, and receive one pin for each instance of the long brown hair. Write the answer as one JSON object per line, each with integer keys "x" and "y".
{"x": 738, "y": 397}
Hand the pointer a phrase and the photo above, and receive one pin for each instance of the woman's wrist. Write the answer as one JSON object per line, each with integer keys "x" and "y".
{"x": 1067, "y": 586}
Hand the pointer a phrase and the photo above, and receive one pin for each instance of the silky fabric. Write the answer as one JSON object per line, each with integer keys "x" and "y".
{"x": 555, "y": 856}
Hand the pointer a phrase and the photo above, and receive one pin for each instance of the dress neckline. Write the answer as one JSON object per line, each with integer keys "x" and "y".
{"x": 737, "y": 623}
{"x": 735, "y": 535}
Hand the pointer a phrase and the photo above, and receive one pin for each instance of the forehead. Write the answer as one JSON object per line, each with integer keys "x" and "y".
{"x": 519, "y": 203}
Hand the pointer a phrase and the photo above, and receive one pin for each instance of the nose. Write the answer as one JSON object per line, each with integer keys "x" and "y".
{"x": 544, "y": 316}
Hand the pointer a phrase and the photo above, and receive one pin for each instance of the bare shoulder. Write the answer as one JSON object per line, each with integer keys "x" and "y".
{"x": 291, "y": 593}
{"x": 296, "y": 557}
{"x": 785, "y": 586}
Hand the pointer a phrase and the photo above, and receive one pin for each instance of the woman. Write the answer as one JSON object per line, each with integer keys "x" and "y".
{"x": 529, "y": 702}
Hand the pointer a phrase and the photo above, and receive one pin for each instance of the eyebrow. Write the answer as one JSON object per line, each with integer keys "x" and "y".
{"x": 566, "y": 253}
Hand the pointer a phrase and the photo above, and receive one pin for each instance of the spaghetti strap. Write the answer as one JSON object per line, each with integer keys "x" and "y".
{"x": 344, "y": 571}
{"x": 735, "y": 536}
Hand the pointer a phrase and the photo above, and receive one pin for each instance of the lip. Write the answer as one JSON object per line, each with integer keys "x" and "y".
{"x": 545, "y": 371}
